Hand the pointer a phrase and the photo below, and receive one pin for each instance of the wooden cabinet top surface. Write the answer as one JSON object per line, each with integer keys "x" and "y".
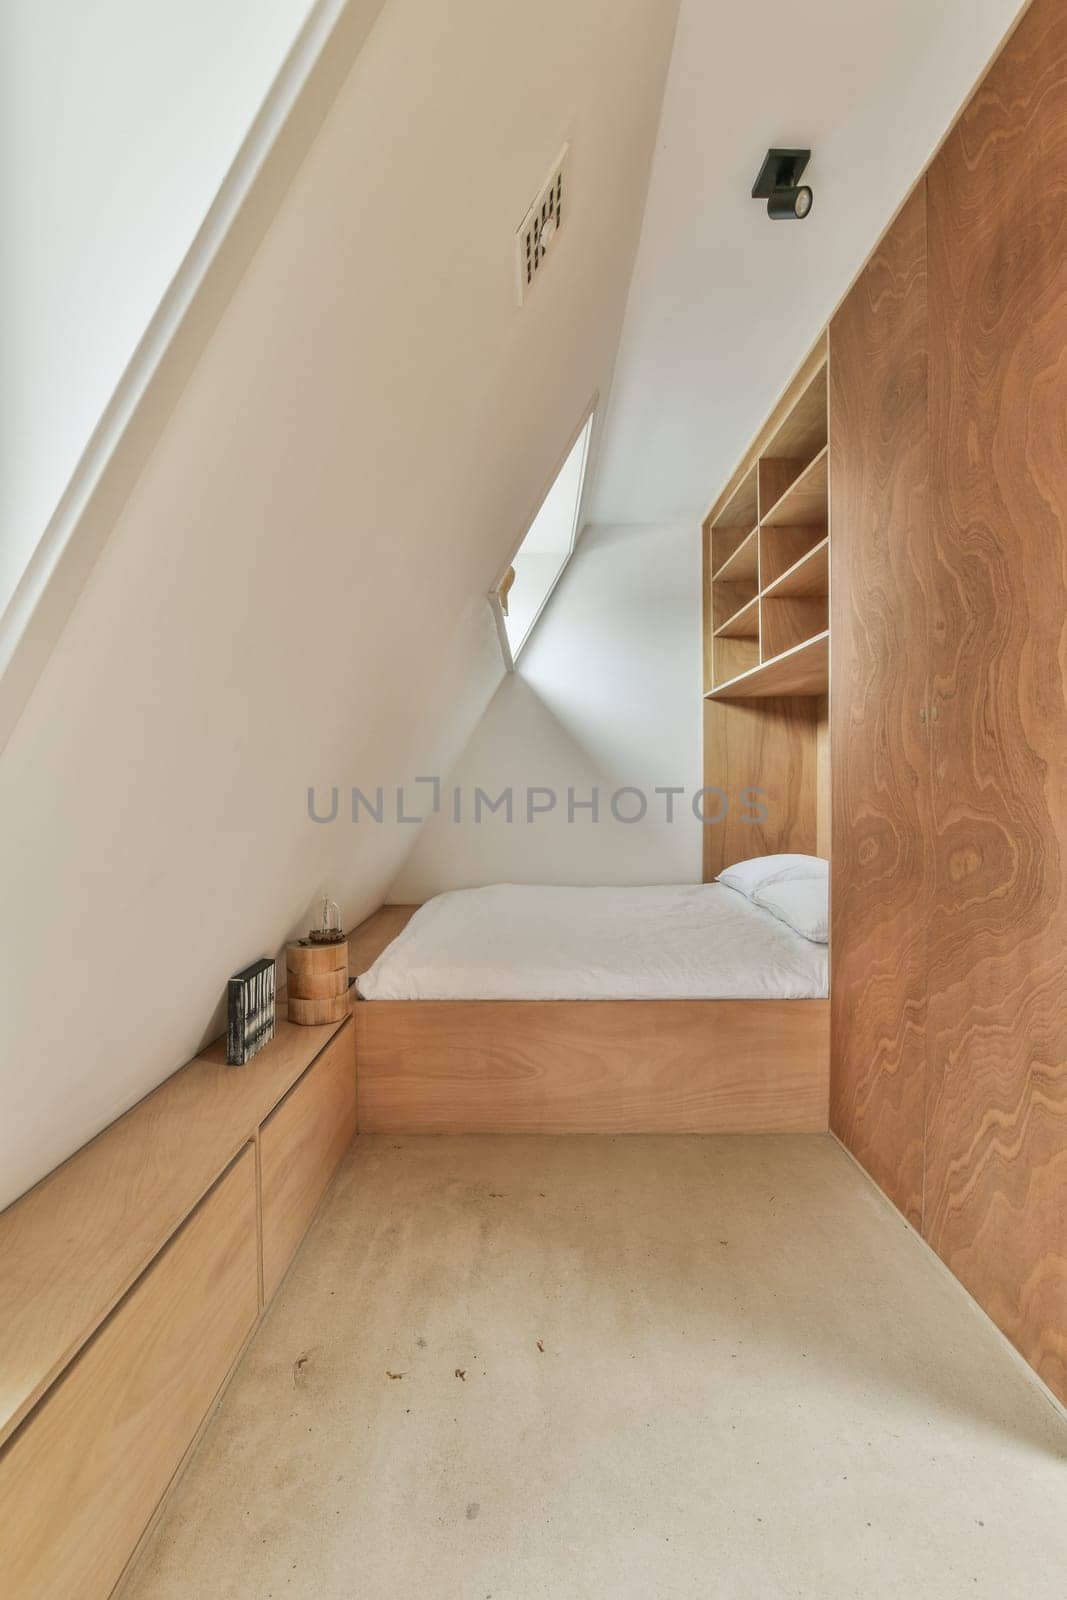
{"x": 73, "y": 1246}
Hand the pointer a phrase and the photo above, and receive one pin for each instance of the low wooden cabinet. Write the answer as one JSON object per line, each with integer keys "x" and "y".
{"x": 131, "y": 1279}
{"x": 301, "y": 1143}
{"x": 80, "y": 1483}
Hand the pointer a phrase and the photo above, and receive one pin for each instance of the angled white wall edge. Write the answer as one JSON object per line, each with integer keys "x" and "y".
{"x": 277, "y": 142}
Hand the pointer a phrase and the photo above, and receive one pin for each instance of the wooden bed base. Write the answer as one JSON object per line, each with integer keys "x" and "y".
{"x": 592, "y": 1066}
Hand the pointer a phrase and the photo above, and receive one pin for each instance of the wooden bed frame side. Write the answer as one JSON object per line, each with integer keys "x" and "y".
{"x": 592, "y": 1066}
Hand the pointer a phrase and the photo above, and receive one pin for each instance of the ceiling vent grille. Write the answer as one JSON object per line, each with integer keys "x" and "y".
{"x": 540, "y": 226}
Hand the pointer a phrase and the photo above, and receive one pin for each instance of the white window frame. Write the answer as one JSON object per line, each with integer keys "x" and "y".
{"x": 510, "y": 657}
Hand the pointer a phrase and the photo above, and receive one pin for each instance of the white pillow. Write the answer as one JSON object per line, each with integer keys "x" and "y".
{"x": 748, "y": 876}
{"x": 802, "y": 903}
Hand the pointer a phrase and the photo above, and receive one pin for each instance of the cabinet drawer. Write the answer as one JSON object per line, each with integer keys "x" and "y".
{"x": 82, "y": 1477}
{"x": 301, "y": 1143}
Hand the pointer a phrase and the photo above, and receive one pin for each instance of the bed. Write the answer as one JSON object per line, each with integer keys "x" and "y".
{"x": 687, "y": 1008}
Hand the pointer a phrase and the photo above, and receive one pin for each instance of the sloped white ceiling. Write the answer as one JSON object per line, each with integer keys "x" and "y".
{"x": 725, "y": 303}
{"x": 295, "y": 592}
{"x": 120, "y": 121}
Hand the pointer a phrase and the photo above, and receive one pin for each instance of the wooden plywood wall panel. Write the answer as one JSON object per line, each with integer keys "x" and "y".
{"x": 996, "y": 1147}
{"x": 766, "y": 745}
{"x": 879, "y": 563}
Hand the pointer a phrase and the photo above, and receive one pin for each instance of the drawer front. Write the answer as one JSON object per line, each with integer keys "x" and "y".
{"x": 301, "y": 1143}
{"x": 82, "y": 1477}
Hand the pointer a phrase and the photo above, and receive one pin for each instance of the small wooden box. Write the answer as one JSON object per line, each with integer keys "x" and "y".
{"x": 317, "y": 982}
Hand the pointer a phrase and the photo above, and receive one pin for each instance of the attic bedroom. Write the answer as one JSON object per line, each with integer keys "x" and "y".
{"x": 533, "y": 766}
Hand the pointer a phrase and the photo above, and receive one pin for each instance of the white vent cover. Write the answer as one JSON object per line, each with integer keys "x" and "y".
{"x": 540, "y": 226}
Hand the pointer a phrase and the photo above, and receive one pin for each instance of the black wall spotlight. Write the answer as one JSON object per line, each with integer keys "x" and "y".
{"x": 779, "y": 184}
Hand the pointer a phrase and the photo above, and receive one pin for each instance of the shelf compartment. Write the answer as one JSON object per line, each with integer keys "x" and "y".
{"x": 728, "y": 598}
{"x": 804, "y": 670}
{"x": 787, "y": 622}
{"x": 808, "y": 575}
{"x": 732, "y": 657}
{"x": 776, "y": 475}
{"x": 805, "y": 503}
{"x": 743, "y": 562}
{"x": 741, "y": 509}
{"x": 781, "y": 549}
{"x": 805, "y": 431}
{"x": 744, "y": 624}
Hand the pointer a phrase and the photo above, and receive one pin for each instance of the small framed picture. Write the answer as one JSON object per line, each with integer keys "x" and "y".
{"x": 249, "y": 1011}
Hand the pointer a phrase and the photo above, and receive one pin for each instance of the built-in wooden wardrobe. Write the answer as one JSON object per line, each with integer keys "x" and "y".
{"x": 948, "y": 484}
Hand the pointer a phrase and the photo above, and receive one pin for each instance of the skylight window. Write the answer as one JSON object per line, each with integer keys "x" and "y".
{"x": 523, "y": 592}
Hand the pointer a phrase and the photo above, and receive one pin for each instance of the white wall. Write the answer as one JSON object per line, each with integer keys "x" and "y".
{"x": 607, "y": 694}
{"x": 119, "y": 121}
{"x": 295, "y": 593}
{"x": 725, "y": 303}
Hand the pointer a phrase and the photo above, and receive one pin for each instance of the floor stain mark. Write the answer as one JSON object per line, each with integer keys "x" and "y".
{"x": 461, "y": 1374}
{"x": 473, "y": 1510}
{"x": 393, "y": 1375}
{"x": 299, "y": 1375}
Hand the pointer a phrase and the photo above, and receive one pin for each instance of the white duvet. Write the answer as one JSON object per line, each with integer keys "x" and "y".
{"x": 523, "y": 942}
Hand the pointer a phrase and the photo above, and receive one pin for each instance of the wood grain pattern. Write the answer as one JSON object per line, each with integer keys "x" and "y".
{"x": 300, "y": 1144}
{"x": 774, "y": 475}
{"x": 996, "y": 1148}
{"x": 72, "y": 1246}
{"x": 738, "y": 507}
{"x": 592, "y": 1066}
{"x": 880, "y": 602}
{"x": 314, "y": 986}
{"x": 79, "y": 1481}
{"x": 803, "y": 505}
{"x": 798, "y": 428}
{"x": 312, "y": 1013}
{"x": 768, "y": 745}
{"x": 743, "y": 624}
{"x": 304, "y": 959}
{"x": 804, "y": 670}
{"x": 742, "y": 563}
{"x": 788, "y": 620}
{"x": 728, "y": 599}
{"x": 794, "y": 561}
{"x": 732, "y": 657}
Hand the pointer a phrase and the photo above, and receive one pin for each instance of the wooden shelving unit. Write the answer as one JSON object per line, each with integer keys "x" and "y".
{"x": 766, "y": 633}
{"x": 802, "y": 670}
{"x": 767, "y": 561}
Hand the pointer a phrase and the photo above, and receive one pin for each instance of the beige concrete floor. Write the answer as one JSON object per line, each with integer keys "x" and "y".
{"x": 691, "y": 1367}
